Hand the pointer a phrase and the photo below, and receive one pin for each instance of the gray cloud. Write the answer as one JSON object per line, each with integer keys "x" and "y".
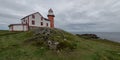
{"x": 74, "y": 15}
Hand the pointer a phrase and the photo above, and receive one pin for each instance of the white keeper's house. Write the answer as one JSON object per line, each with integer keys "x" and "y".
{"x": 34, "y": 20}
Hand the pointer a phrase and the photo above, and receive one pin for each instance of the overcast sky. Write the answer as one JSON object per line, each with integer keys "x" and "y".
{"x": 71, "y": 15}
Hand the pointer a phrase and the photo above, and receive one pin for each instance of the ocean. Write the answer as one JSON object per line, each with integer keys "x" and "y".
{"x": 113, "y": 36}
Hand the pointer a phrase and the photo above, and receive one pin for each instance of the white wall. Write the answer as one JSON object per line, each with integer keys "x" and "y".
{"x": 38, "y": 21}
{"x": 19, "y": 28}
{"x": 10, "y": 28}
{"x": 25, "y": 28}
{"x": 45, "y": 22}
{"x": 24, "y": 20}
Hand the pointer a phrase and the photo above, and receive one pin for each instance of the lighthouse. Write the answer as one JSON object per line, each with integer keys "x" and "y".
{"x": 51, "y": 17}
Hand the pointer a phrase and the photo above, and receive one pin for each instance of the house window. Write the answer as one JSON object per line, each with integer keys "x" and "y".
{"x": 33, "y": 16}
{"x": 41, "y": 23}
{"x": 41, "y": 18}
{"x": 33, "y": 22}
{"x": 46, "y": 24}
{"x": 24, "y": 20}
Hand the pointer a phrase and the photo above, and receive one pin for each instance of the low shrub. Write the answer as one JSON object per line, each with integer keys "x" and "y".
{"x": 66, "y": 45}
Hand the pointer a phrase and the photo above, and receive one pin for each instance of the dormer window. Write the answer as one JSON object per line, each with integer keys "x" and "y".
{"x": 33, "y": 16}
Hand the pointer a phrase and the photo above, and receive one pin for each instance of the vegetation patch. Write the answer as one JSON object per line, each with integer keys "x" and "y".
{"x": 39, "y": 45}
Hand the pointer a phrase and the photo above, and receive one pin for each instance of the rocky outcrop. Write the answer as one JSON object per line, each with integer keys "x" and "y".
{"x": 49, "y": 37}
{"x": 88, "y": 36}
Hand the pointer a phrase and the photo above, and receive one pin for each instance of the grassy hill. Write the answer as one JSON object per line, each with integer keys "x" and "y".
{"x": 13, "y": 46}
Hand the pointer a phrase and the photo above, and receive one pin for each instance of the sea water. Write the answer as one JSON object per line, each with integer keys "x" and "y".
{"x": 113, "y": 36}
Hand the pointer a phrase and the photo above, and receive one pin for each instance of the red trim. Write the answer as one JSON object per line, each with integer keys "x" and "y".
{"x": 36, "y": 26}
{"x": 28, "y": 23}
{"x": 16, "y": 24}
{"x": 51, "y": 15}
{"x": 23, "y": 27}
{"x": 33, "y": 26}
{"x": 12, "y": 28}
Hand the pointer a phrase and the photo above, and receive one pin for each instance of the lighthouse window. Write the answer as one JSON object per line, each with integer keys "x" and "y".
{"x": 33, "y": 22}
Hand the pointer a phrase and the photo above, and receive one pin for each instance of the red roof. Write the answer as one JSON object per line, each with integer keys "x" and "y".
{"x": 16, "y": 24}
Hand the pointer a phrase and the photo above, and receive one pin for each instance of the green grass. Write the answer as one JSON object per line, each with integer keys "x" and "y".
{"x": 12, "y": 47}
